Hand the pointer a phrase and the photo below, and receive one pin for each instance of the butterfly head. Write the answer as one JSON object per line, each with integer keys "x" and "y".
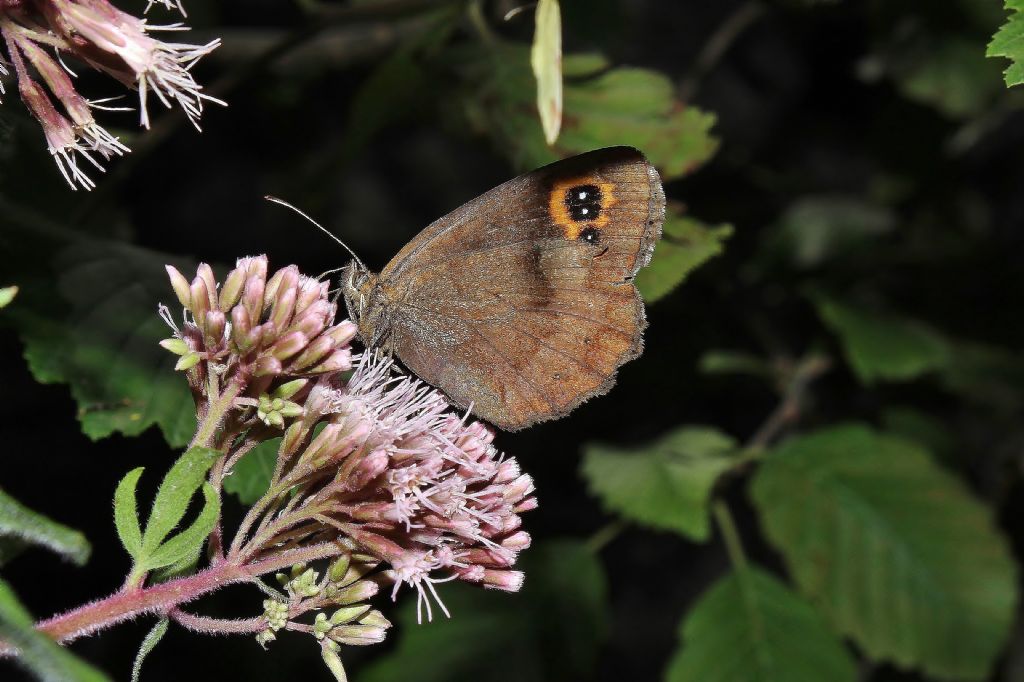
{"x": 359, "y": 288}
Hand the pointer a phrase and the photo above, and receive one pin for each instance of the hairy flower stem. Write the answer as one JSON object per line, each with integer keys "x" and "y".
{"x": 165, "y": 597}
{"x": 215, "y": 415}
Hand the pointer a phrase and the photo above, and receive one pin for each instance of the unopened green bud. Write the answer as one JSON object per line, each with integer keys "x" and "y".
{"x": 176, "y": 346}
{"x": 339, "y": 567}
{"x": 187, "y": 361}
{"x": 288, "y": 389}
{"x": 349, "y": 614}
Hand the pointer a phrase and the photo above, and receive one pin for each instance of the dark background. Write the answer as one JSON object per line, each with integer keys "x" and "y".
{"x": 800, "y": 112}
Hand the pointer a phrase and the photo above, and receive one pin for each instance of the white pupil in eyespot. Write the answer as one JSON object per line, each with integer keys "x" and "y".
{"x": 583, "y": 195}
{"x": 585, "y": 211}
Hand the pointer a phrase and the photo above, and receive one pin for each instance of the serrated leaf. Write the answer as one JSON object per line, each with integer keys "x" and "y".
{"x": 883, "y": 346}
{"x": 1009, "y": 42}
{"x": 749, "y": 627}
{"x": 175, "y": 492}
{"x": 19, "y": 521}
{"x": 7, "y": 295}
{"x": 685, "y": 245}
{"x": 898, "y": 554}
{"x": 250, "y": 476}
{"x": 601, "y": 108}
{"x": 126, "y": 514}
{"x": 666, "y": 484}
{"x": 546, "y": 62}
{"x": 184, "y": 545}
{"x": 99, "y": 333}
{"x": 555, "y": 626}
{"x": 39, "y": 654}
{"x": 149, "y": 642}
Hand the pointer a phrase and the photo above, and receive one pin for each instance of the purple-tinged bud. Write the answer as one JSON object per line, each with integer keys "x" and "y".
{"x": 200, "y": 297}
{"x": 283, "y": 280}
{"x": 511, "y": 522}
{"x": 488, "y": 557}
{"x": 272, "y": 287}
{"x": 180, "y": 286}
{"x": 205, "y": 272}
{"x": 348, "y": 614}
{"x": 509, "y": 581}
{"x": 357, "y": 592}
{"x": 518, "y": 489}
{"x": 358, "y": 635}
{"x": 313, "y": 319}
{"x": 529, "y": 504}
{"x": 317, "y": 452}
{"x": 267, "y": 366}
{"x": 507, "y": 471}
{"x": 310, "y": 291}
{"x": 342, "y": 333}
{"x": 313, "y": 353}
{"x": 517, "y": 542}
{"x": 283, "y": 306}
{"x": 256, "y": 266}
{"x": 214, "y": 327}
{"x": 288, "y": 345}
{"x": 378, "y": 512}
{"x": 232, "y": 289}
{"x": 241, "y": 328}
{"x": 252, "y": 298}
{"x": 339, "y": 361}
{"x": 292, "y": 436}
{"x": 369, "y": 468}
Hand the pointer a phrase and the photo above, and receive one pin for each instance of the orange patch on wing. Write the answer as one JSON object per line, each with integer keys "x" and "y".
{"x": 560, "y": 212}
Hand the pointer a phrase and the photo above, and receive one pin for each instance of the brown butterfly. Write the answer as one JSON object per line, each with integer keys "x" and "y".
{"x": 520, "y": 304}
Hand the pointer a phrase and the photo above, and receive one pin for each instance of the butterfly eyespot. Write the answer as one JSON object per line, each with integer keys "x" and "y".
{"x": 590, "y": 235}
{"x": 583, "y": 202}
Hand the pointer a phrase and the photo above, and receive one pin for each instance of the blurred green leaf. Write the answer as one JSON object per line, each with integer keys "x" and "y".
{"x": 546, "y": 62}
{"x": 149, "y": 642}
{"x": 665, "y": 484}
{"x": 602, "y": 107}
{"x": 883, "y": 347}
{"x": 551, "y": 630}
{"x": 1009, "y": 42}
{"x": 817, "y": 229}
{"x": 176, "y": 490}
{"x": 20, "y": 521}
{"x": 686, "y": 244}
{"x": 7, "y": 295}
{"x": 718, "y": 361}
{"x": 39, "y": 654}
{"x": 749, "y": 627}
{"x": 899, "y": 555}
{"x": 250, "y": 476}
{"x": 988, "y": 375}
{"x": 104, "y": 342}
{"x": 948, "y": 73}
{"x": 922, "y": 428}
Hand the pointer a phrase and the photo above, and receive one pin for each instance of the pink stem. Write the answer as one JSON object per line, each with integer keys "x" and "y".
{"x": 217, "y": 626}
{"x": 164, "y": 597}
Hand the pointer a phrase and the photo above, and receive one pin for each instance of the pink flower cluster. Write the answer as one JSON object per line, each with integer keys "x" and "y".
{"x": 417, "y": 486}
{"x": 38, "y": 34}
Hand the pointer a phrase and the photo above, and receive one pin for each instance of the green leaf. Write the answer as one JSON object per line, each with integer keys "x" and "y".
{"x": 99, "y": 333}
{"x": 686, "y": 244}
{"x": 950, "y": 74}
{"x": 817, "y": 229}
{"x": 1009, "y": 42}
{"x": 546, "y": 62}
{"x": 884, "y": 347}
{"x": 666, "y": 484}
{"x": 898, "y": 554}
{"x": 126, "y": 515}
{"x": 20, "y": 521}
{"x": 7, "y": 295}
{"x": 150, "y": 641}
{"x": 602, "y": 107}
{"x": 749, "y": 627}
{"x": 717, "y": 361}
{"x": 39, "y": 654}
{"x": 174, "y": 494}
{"x": 250, "y": 476}
{"x": 551, "y": 630}
{"x": 184, "y": 546}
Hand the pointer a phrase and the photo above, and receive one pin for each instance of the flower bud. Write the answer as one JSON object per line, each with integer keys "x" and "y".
{"x": 241, "y": 328}
{"x": 509, "y": 581}
{"x": 187, "y": 361}
{"x": 200, "y": 297}
{"x": 214, "y": 327}
{"x": 356, "y": 592}
{"x": 517, "y": 541}
{"x": 283, "y": 306}
{"x": 313, "y": 353}
{"x": 339, "y": 361}
{"x": 267, "y": 366}
{"x": 180, "y": 286}
{"x": 205, "y": 273}
{"x": 290, "y": 388}
{"x": 252, "y": 298}
{"x": 232, "y": 289}
{"x": 349, "y": 614}
{"x": 288, "y": 345}
{"x": 358, "y": 635}
{"x": 176, "y": 346}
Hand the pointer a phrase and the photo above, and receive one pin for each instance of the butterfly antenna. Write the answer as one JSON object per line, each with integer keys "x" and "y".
{"x": 320, "y": 227}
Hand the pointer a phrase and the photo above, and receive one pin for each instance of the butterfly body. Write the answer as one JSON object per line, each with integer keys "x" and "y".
{"x": 520, "y": 304}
